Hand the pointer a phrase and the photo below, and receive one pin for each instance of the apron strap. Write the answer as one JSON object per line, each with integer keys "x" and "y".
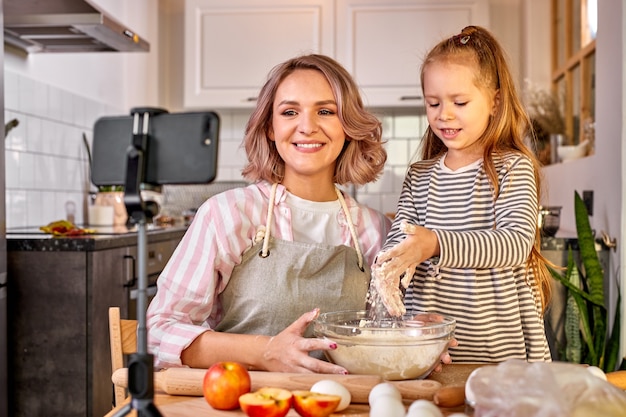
{"x": 268, "y": 224}
{"x": 351, "y": 227}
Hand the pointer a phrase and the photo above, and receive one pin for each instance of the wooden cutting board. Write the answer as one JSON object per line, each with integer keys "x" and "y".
{"x": 454, "y": 374}
{"x": 183, "y": 406}
{"x": 197, "y": 406}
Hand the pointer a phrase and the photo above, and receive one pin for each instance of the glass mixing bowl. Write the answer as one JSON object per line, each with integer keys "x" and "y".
{"x": 393, "y": 348}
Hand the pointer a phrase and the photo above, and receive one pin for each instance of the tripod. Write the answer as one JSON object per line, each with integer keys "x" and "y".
{"x": 166, "y": 148}
{"x": 141, "y": 364}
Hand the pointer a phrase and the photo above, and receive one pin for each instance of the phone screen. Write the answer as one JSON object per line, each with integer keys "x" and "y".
{"x": 181, "y": 148}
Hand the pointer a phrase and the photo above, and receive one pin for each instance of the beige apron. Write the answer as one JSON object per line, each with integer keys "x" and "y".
{"x": 278, "y": 281}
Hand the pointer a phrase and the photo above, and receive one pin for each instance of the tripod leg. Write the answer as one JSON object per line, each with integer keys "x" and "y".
{"x": 148, "y": 410}
{"x": 124, "y": 411}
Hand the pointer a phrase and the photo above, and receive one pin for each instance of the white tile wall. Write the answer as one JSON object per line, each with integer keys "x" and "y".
{"x": 46, "y": 161}
{"x": 47, "y": 165}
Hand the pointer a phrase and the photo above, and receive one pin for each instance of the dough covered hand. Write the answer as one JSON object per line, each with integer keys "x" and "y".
{"x": 391, "y": 271}
{"x": 387, "y": 289}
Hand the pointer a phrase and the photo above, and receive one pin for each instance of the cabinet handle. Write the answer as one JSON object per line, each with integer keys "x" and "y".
{"x": 407, "y": 98}
{"x": 131, "y": 279}
{"x": 251, "y": 99}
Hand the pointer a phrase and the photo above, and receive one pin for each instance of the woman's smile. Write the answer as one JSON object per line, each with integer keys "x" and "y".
{"x": 308, "y": 146}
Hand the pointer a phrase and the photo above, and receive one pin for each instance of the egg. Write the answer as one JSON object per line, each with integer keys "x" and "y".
{"x": 384, "y": 389}
{"x": 387, "y": 406}
{"x": 470, "y": 397}
{"x": 597, "y": 372}
{"x": 423, "y": 408}
{"x": 328, "y": 386}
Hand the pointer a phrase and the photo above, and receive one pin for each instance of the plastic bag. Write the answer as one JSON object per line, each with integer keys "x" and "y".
{"x": 542, "y": 389}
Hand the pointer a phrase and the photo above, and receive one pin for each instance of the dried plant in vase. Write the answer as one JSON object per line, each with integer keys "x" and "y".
{"x": 544, "y": 109}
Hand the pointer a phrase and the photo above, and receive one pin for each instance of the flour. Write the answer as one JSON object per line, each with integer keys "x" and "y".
{"x": 391, "y": 362}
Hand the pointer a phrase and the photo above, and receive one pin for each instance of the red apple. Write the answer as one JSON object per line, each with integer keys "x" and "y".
{"x": 315, "y": 404}
{"x": 266, "y": 402}
{"x": 224, "y": 383}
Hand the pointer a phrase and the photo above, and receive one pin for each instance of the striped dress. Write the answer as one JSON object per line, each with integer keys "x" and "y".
{"x": 480, "y": 277}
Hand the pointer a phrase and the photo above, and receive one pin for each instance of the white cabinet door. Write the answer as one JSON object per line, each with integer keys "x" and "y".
{"x": 231, "y": 45}
{"x": 382, "y": 42}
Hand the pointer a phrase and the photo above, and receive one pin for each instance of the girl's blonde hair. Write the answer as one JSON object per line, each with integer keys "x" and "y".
{"x": 508, "y": 128}
{"x": 363, "y": 157}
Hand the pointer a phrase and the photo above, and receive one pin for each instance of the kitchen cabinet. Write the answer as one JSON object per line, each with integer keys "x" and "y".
{"x": 61, "y": 289}
{"x": 382, "y": 43}
{"x": 230, "y": 45}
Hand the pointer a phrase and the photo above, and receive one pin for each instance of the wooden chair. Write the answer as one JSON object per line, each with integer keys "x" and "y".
{"x": 123, "y": 340}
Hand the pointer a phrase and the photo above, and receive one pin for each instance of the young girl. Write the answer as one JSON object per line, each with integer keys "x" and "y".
{"x": 258, "y": 263}
{"x": 465, "y": 234}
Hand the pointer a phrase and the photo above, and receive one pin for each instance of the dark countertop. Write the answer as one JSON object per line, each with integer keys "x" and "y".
{"x": 33, "y": 239}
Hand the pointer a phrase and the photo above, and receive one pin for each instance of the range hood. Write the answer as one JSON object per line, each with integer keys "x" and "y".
{"x": 66, "y": 26}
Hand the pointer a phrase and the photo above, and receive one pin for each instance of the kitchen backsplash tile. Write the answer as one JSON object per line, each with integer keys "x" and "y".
{"x": 47, "y": 164}
{"x": 11, "y": 90}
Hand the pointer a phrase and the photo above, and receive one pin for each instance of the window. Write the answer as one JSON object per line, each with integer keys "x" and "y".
{"x": 573, "y": 65}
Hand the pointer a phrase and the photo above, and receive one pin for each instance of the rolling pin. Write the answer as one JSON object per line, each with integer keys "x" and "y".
{"x": 188, "y": 381}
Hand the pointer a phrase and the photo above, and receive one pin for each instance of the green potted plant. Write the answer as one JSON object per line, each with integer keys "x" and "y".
{"x": 586, "y": 315}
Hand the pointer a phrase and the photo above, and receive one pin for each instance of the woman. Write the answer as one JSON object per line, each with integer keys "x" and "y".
{"x": 259, "y": 263}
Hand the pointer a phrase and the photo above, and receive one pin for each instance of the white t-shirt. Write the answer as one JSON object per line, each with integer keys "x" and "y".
{"x": 315, "y": 222}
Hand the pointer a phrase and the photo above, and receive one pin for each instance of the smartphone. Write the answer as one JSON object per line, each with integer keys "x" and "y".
{"x": 181, "y": 148}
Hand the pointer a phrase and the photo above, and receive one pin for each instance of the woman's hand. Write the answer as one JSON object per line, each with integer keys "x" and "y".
{"x": 288, "y": 351}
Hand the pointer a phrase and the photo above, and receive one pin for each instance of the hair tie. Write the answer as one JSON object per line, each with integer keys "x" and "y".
{"x": 462, "y": 39}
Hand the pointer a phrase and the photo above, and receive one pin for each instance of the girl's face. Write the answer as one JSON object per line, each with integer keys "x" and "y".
{"x": 458, "y": 111}
{"x": 306, "y": 128}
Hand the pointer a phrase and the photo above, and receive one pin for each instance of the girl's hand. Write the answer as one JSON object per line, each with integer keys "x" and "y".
{"x": 397, "y": 265}
{"x": 288, "y": 351}
{"x": 386, "y": 282}
{"x": 419, "y": 245}
{"x": 445, "y": 356}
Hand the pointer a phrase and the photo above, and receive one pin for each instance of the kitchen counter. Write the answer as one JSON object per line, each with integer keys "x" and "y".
{"x": 60, "y": 290}
{"x": 33, "y": 239}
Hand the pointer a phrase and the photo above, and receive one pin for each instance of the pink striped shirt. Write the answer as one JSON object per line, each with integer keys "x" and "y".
{"x": 186, "y": 304}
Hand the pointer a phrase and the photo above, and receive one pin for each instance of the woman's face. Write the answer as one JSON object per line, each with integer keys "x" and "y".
{"x": 458, "y": 111}
{"x": 306, "y": 128}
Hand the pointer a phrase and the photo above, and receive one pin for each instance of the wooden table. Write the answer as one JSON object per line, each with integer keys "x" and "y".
{"x": 181, "y": 406}
{"x": 184, "y": 406}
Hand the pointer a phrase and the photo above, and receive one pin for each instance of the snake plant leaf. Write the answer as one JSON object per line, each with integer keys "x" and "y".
{"x": 564, "y": 279}
{"x": 582, "y": 301}
{"x": 587, "y": 297}
{"x": 612, "y": 350}
{"x": 594, "y": 279}
{"x": 573, "y": 322}
{"x": 588, "y": 254}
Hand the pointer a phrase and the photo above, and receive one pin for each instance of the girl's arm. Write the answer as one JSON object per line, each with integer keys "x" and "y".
{"x": 510, "y": 241}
